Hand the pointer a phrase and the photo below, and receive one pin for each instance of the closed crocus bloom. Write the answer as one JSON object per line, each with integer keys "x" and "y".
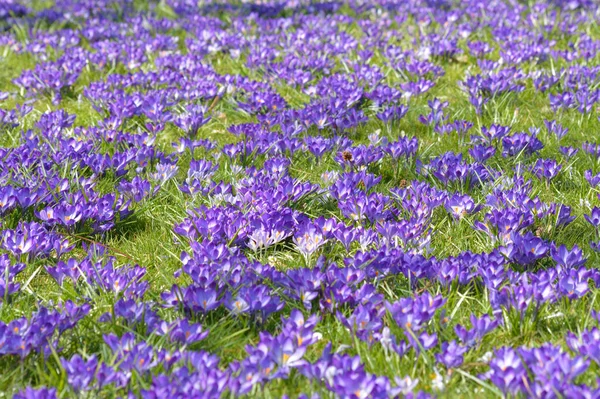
{"x": 594, "y": 180}
{"x": 594, "y": 217}
{"x": 480, "y": 327}
{"x": 451, "y": 354}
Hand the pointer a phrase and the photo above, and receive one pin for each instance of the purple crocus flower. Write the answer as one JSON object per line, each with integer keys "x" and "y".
{"x": 287, "y": 353}
{"x": 563, "y": 216}
{"x": 201, "y": 299}
{"x": 192, "y": 120}
{"x": 568, "y": 152}
{"x": 40, "y": 393}
{"x": 8, "y": 272}
{"x": 507, "y": 371}
{"x": 594, "y": 217}
{"x": 366, "y": 322}
{"x": 80, "y": 372}
{"x": 480, "y": 327}
{"x": 309, "y": 241}
{"x": 451, "y": 355}
{"x": 525, "y": 249}
{"x": 184, "y": 332}
{"x": 494, "y": 132}
{"x": 594, "y": 180}
{"x": 412, "y": 314}
{"x": 164, "y": 172}
{"x": 481, "y": 153}
{"x": 556, "y": 128}
{"x": 392, "y": 114}
{"x": 574, "y": 284}
{"x": 546, "y": 169}
{"x": 461, "y": 205}
{"x": 567, "y": 259}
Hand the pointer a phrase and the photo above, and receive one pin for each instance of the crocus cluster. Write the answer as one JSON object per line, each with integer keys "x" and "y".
{"x": 357, "y": 199}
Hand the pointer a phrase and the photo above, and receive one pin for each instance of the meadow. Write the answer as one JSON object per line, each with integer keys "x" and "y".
{"x": 299, "y": 199}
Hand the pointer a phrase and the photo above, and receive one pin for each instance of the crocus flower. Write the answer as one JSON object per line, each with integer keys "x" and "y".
{"x": 80, "y": 372}
{"x": 461, "y": 205}
{"x": 507, "y": 371}
{"x": 451, "y": 355}
{"x": 568, "y": 259}
{"x": 594, "y": 217}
